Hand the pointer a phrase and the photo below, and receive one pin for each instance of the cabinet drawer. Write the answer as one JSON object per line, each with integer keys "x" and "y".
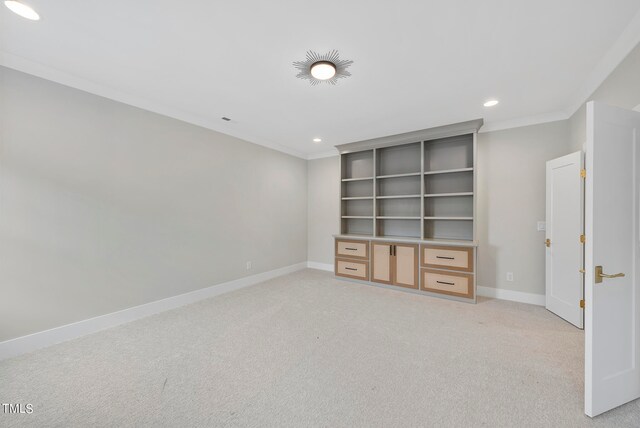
{"x": 453, "y": 284}
{"x": 448, "y": 258}
{"x": 352, "y": 269}
{"x": 353, "y": 249}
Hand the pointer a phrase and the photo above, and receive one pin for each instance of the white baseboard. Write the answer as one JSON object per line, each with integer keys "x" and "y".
{"x": 320, "y": 266}
{"x": 32, "y": 342}
{"x": 516, "y": 296}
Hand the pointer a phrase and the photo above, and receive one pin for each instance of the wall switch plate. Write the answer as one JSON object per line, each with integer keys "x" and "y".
{"x": 510, "y": 276}
{"x": 248, "y": 265}
{"x": 542, "y": 226}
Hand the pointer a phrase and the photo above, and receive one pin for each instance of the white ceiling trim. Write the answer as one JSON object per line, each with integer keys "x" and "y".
{"x": 327, "y": 154}
{"x": 40, "y": 70}
{"x": 628, "y": 40}
{"x": 524, "y": 121}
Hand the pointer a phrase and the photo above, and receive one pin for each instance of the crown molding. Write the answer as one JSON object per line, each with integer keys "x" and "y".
{"x": 524, "y": 121}
{"x": 321, "y": 155}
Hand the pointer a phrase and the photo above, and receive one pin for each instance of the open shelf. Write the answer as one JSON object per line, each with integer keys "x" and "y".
{"x": 397, "y": 218}
{"x": 448, "y": 228}
{"x": 398, "y": 197}
{"x": 357, "y": 179}
{"x": 449, "y": 218}
{"x": 398, "y": 207}
{"x": 357, "y": 165}
{"x": 357, "y": 189}
{"x": 399, "y": 160}
{"x": 357, "y": 226}
{"x": 357, "y": 198}
{"x": 398, "y": 227}
{"x": 456, "y": 182}
{"x": 410, "y": 174}
{"x": 399, "y": 186}
{"x": 447, "y": 195}
{"x": 448, "y": 171}
{"x": 451, "y": 153}
{"x": 357, "y": 216}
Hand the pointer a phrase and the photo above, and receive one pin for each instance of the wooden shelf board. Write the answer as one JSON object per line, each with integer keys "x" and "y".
{"x": 357, "y": 179}
{"x": 358, "y": 216}
{"x": 444, "y": 195}
{"x": 356, "y": 198}
{"x": 449, "y": 218}
{"x": 410, "y": 174}
{"x": 397, "y": 218}
{"x": 448, "y": 171}
{"x": 398, "y": 197}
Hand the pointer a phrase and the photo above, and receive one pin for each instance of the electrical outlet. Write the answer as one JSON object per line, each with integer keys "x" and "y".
{"x": 248, "y": 265}
{"x": 542, "y": 226}
{"x": 510, "y": 276}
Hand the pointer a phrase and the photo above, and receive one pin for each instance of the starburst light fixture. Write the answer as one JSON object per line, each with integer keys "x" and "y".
{"x": 326, "y": 68}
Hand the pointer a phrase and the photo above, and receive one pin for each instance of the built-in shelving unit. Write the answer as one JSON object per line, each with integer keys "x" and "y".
{"x": 420, "y": 185}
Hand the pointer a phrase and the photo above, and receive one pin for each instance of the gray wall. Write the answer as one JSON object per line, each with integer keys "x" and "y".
{"x": 323, "y": 210}
{"x": 511, "y": 199}
{"x": 104, "y": 206}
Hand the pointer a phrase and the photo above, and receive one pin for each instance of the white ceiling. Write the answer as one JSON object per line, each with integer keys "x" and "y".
{"x": 417, "y": 63}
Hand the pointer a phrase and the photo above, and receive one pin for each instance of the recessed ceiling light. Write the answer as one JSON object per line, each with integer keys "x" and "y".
{"x": 22, "y": 9}
{"x": 317, "y": 140}
{"x": 491, "y": 103}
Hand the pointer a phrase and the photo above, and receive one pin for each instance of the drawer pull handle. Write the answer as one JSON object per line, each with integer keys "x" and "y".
{"x": 351, "y": 249}
{"x": 348, "y": 268}
{"x": 446, "y": 283}
{"x": 443, "y": 257}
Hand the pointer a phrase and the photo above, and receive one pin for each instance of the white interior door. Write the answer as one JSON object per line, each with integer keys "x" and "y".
{"x": 612, "y": 326}
{"x": 564, "y": 252}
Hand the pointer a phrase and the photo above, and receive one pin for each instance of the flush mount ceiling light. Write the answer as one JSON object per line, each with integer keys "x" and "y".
{"x": 22, "y": 9}
{"x": 322, "y": 68}
{"x": 491, "y": 103}
{"x": 317, "y": 140}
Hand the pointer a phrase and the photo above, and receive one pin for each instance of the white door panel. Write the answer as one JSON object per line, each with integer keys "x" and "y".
{"x": 564, "y": 209}
{"x": 612, "y": 329}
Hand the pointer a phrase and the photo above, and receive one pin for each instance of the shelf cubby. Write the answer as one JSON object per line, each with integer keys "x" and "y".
{"x": 358, "y": 207}
{"x": 357, "y": 226}
{"x": 398, "y": 160}
{"x": 454, "y": 182}
{"x": 452, "y": 206}
{"x": 398, "y": 227}
{"x": 357, "y": 189}
{"x": 357, "y": 165}
{"x": 448, "y": 153}
{"x": 398, "y": 186}
{"x": 404, "y": 207}
{"x": 443, "y": 228}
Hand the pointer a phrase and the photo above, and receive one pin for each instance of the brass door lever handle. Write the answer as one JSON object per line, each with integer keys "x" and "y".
{"x": 600, "y": 275}
{"x": 547, "y": 242}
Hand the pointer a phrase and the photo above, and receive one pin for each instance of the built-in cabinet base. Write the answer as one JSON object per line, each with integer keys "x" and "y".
{"x": 433, "y": 268}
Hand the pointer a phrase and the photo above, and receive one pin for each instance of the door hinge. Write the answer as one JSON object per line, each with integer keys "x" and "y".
{"x": 583, "y": 173}
{"x": 582, "y": 303}
{"x": 583, "y": 239}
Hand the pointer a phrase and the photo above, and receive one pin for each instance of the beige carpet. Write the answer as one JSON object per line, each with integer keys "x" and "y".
{"x": 309, "y": 350}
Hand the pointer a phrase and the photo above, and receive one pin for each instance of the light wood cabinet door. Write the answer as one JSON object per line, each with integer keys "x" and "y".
{"x": 382, "y": 267}
{"x": 406, "y": 265}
